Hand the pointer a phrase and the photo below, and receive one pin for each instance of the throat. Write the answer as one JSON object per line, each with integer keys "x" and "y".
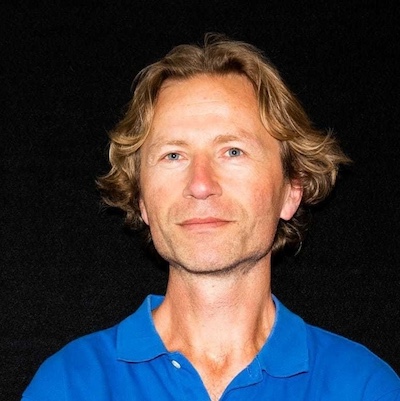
{"x": 218, "y": 324}
{"x": 217, "y": 372}
{"x": 220, "y": 354}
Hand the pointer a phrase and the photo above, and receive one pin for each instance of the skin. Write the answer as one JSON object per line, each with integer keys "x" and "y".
{"x": 213, "y": 191}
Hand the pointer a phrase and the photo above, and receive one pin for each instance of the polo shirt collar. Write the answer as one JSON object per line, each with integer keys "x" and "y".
{"x": 284, "y": 354}
{"x": 137, "y": 337}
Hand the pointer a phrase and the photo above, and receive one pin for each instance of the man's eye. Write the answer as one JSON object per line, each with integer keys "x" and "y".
{"x": 173, "y": 156}
{"x": 234, "y": 152}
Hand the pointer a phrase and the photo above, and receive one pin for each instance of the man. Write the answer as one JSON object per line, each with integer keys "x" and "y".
{"x": 219, "y": 160}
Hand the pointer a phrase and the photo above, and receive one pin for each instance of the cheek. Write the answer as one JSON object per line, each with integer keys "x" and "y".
{"x": 150, "y": 195}
{"x": 156, "y": 205}
{"x": 267, "y": 203}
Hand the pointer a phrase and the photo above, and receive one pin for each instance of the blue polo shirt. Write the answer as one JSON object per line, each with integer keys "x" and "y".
{"x": 130, "y": 362}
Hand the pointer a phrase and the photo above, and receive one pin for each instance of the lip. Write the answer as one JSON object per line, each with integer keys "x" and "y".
{"x": 203, "y": 223}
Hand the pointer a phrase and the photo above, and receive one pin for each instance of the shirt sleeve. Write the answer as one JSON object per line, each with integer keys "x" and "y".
{"x": 392, "y": 396}
{"x": 48, "y": 383}
{"x": 384, "y": 384}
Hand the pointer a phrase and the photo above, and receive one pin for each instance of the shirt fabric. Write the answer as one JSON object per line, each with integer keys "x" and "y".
{"x": 130, "y": 362}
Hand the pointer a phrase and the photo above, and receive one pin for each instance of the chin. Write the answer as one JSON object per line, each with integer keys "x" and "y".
{"x": 217, "y": 267}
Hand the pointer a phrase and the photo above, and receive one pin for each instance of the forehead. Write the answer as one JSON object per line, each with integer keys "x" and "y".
{"x": 229, "y": 98}
{"x": 207, "y": 87}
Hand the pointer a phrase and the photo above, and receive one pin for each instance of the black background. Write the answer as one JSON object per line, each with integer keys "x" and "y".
{"x": 68, "y": 267}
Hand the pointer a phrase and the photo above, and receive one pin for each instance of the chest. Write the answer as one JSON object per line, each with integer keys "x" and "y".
{"x": 171, "y": 377}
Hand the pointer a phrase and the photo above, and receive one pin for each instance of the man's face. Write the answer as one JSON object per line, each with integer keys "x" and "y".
{"x": 211, "y": 176}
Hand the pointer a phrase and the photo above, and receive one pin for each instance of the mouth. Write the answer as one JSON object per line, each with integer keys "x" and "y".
{"x": 203, "y": 223}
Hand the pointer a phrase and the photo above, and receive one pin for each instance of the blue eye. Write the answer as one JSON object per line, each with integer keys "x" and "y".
{"x": 234, "y": 152}
{"x": 173, "y": 156}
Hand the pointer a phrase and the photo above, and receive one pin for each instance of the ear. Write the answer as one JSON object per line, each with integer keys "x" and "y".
{"x": 143, "y": 211}
{"x": 292, "y": 200}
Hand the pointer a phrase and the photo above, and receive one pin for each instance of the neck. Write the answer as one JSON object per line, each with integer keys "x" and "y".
{"x": 217, "y": 319}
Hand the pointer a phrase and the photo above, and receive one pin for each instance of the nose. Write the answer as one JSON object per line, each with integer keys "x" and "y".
{"x": 202, "y": 180}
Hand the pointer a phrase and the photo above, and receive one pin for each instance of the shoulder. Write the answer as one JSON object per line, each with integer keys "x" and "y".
{"x": 88, "y": 367}
{"x": 346, "y": 364}
{"x": 78, "y": 360}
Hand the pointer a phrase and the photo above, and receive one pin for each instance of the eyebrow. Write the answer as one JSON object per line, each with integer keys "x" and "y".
{"x": 243, "y": 134}
{"x": 161, "y": 143}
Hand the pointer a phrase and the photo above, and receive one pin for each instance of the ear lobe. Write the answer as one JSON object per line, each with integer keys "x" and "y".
{"x": 143, "y": 211}
{"x": 292, "y": 201}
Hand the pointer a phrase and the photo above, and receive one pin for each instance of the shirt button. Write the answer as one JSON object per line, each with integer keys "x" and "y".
{"x": 176, "y": 364}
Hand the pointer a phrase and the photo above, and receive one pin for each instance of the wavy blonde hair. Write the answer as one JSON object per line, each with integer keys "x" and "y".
{"x": 310, "y": 158}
